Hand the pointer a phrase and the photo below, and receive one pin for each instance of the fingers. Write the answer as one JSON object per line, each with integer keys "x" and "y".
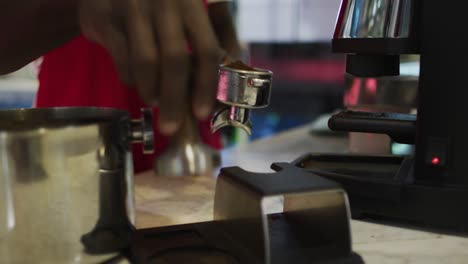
{"x": 174, "y": 70}
{"x": 208, "y": 56}
{"x": 97, "y": 26}
{"x": 143, "y": 51}
{"x": 117, "y": 46}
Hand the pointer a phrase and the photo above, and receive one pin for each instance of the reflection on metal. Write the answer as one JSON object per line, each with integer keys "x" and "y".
{"x": 65, "y": 174}
{"x": 399, "y": 92}
{"x": 187, "y": 155}
{"x": 240, "y": 91}
{"x": 232, "y": 116}
{"x": 7, "y": 213}
{"x": 314, "y": 226}
{"x": 374, "y": 19}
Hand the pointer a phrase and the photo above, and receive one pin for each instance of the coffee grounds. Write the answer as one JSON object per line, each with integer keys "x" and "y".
{"x": 239, "y": 65}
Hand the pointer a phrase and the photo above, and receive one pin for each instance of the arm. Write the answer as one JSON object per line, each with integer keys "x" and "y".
{"x": 224, "y": 28}
{"x": 31, "y": 28}
{"x": 146, "y": 39}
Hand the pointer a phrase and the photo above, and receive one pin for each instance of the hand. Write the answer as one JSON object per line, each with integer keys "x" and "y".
{"x": 148, "y": 41}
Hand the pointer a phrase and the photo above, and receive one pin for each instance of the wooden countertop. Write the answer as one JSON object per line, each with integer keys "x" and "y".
{"x": 170, "y": 201}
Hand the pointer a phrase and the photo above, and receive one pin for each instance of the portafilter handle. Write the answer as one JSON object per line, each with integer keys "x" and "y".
{"x": 240, "y": 89}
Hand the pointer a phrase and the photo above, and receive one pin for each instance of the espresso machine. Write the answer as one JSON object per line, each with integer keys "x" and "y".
{"x": 429, "y": 188}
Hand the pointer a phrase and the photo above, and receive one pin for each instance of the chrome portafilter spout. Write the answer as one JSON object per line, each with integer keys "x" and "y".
{"x": 187, "y": 155}
{"x": 240, "y": 89}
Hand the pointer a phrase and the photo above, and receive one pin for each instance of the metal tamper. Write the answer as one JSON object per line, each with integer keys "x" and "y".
{"x": 187, "y": 155}
{"x": 240, "y": 89}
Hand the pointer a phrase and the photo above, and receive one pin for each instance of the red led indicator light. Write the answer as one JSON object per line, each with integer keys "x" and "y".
{"x": 435, "y": 161}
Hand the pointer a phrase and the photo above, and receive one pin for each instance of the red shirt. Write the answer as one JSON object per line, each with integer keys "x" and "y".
{"x": 81, "y": 73}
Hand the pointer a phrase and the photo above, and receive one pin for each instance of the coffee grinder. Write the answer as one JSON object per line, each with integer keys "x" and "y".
{"x": 429, "y": 188}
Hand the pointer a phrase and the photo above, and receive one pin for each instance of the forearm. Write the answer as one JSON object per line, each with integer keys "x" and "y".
{"x": 31, "y": 28}
{"x": 225, "y": 30}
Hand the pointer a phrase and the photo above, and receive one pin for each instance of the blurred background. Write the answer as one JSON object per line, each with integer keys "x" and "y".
{"x": 292, "y": 38}
{"x": 289, "y": 37}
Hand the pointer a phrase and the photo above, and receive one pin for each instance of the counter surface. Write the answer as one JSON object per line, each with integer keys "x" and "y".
{"x": 169, "y": 201}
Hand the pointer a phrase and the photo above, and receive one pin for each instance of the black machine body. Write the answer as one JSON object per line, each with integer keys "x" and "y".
{"x": 431, "y": 187}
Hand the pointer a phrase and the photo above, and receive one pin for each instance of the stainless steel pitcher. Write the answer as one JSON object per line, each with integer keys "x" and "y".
{"x": 66, "y": 188}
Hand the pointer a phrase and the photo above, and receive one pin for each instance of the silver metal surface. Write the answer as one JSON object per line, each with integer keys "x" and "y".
{"x": 374, "y": 19}
{"x": 232, "y": 116}
{"x": 65, "y": 176}
{"x": 187, "y": 155}
{"x": 315, "y": 216}
{"x": 241, "y": 90}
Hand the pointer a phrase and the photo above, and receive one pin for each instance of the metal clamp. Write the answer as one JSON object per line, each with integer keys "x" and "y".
{"x": 141, "y": 130}
{"x": 313, "y": 225}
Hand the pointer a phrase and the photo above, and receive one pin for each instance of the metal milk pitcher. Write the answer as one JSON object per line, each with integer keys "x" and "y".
{"x": 66, "y": 187}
